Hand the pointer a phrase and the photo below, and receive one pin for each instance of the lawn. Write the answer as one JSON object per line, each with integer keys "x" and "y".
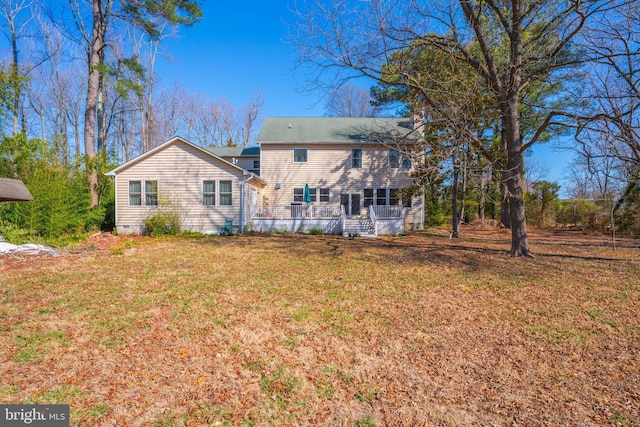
{"x": 319, "y": 330}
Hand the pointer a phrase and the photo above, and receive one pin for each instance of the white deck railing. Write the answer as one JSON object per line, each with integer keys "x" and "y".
{"x": 374, "y": 219}
{"x": 387, "y": 212}
{"x": 296, "y": 211}
{"x": 321, "y": 211}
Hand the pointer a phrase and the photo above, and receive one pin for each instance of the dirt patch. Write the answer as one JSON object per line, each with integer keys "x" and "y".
{"x": 102, "y": 241}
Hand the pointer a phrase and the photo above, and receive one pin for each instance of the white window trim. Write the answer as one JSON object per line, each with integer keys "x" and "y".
{"x": 143, "y": 193}
{"x": 215, "y": 193}
{"x": 220, "y": 193}
{"x": 353, "y": 158}
{"x": 293, "y": 154}
{"x": 328, "y": 195}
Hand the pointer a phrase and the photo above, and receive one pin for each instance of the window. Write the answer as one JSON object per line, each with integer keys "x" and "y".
{"x": 151, "y": 193}
{"x": 381, "y": 196}
{"x": 135, "y": 193}
{"x": 406, "y": 160}
{"x": 256, "y": 164}
{"x": 324, "y": 195}
{"x": 393, "y": 197}
{"x": 299, "y": 155}
{"x": 394, "y": 159}
{"x": 312, "y": 193}
{"x": 368, "y": 197}
{"x": 298, "y": 194}
{"x": 356, "y": 158}
{"x": 209, "y": 193}
{"x": 225, "y": 193}
{"x": 406, "y": 202}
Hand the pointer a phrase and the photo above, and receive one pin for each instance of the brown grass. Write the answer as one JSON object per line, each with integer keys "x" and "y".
{"x": 317, "y": 330}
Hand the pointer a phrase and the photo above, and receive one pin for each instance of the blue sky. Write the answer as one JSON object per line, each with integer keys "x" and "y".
{"x": 238, "y": 49}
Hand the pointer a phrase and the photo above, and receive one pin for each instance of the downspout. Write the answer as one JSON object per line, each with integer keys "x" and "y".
{"x": 243, "y": 200}
{"x": 115, "y": 203}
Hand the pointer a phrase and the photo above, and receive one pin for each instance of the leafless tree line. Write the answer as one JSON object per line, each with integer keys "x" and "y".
{"x": 607, "y": 137}
{"x": 134, "y": 110}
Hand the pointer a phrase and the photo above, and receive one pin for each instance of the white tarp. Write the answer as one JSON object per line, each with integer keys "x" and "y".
{"x": 28, "y": 249}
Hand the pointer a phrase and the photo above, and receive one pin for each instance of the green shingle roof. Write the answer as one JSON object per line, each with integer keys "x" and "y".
{"x": 335, "y": 130}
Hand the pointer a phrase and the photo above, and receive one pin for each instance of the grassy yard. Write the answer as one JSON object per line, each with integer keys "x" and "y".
{"x": 318, "y": 330}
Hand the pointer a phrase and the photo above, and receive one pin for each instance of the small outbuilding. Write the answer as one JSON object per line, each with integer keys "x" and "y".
{"x": 13, "y": 190}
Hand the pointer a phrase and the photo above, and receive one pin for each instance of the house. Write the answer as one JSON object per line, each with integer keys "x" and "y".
{"x": 205, "y": 189}
{"x": 339, "y": 175}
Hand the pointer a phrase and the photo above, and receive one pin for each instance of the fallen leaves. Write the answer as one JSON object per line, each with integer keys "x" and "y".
{"x": 278, "y": 330}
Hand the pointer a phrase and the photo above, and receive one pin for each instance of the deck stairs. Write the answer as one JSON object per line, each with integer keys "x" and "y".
{"x": 358, "y": 227}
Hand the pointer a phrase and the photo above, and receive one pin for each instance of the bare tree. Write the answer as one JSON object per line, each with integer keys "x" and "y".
{"x": 217, "y": 122}
{"x": 149, "y": 17}
{"x": 248, "y": 116}
{"x": 508, "y": 45}
{"x": 608, "y": 140}
{"x": 349, "y": 100}
{"x": 17, "y": 15}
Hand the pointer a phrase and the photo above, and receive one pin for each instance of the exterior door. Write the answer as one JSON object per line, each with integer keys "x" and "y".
{"x": 351, "y": 203}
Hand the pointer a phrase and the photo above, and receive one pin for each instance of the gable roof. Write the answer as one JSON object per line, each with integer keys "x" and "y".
{"x": 284, "y": 130}
{"x": 172, "y": 141}
{"x": 13, "y": 190}
{"x": 235, "y": 151}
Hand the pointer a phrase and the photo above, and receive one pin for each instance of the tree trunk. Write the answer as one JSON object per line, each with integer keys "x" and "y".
{"x": 455, "y": 221}
{"x": 482, "y": 197}
{"x": 505, "y": 216}
{"x": 100, "y": 113}
{"x": 513, "y": 177}
{"x": 464, "y": 192}
{"x": 93, "y": 84}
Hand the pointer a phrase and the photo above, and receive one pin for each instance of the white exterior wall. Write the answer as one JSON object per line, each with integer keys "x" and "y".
{"x": 245, "y": 162}
{"x": 329, "y": 166}
{"x": 180, "y": 170}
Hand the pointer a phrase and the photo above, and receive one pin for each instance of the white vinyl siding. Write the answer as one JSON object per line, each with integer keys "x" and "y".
{"x": 180, "y": 171}
{"x": 329, "y": 167}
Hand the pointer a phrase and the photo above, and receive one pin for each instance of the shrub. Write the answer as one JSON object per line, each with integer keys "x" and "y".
{"x": 164, "y": 220}
{"x": 249, "y": 227}
{"x": 316, "y": 231}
